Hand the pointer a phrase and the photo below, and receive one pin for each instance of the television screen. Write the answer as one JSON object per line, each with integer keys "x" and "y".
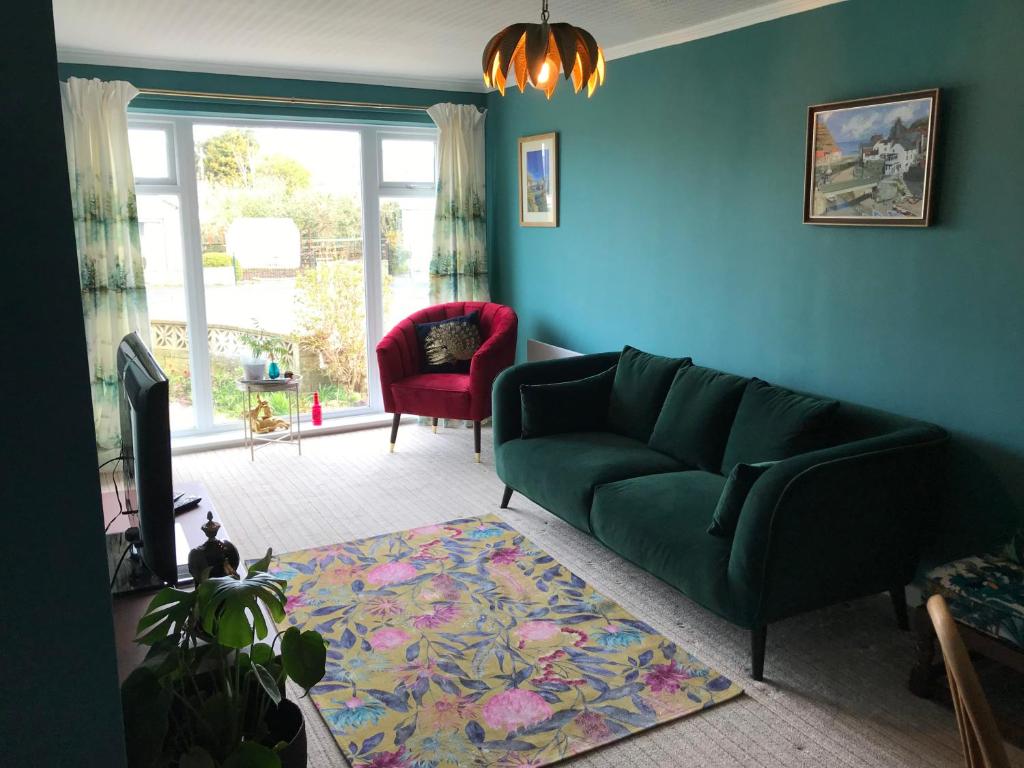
{"x": 146, "y": 451}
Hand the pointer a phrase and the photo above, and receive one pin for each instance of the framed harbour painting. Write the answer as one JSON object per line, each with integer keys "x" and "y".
{"x": 869, "y": 161}
{"x": 538, "y": 180}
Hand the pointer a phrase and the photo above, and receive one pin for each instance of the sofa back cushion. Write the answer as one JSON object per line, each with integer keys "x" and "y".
{"x": 694, "y": 423}
{"x": 566, "y": 406}
{"x": 773, "y": 423}
{"x": 638, "y": 392}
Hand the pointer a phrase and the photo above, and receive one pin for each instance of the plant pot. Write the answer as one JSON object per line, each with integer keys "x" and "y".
{"x": 286, "y": 724}
{"x": 255, "y": 369}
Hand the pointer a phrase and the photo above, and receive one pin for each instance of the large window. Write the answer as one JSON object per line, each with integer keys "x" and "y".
{"x": 317, "y": 237}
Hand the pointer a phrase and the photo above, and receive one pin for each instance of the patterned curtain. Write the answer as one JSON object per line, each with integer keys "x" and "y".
{"x": 458, "y": 268}
{"x": 107, "y": 234}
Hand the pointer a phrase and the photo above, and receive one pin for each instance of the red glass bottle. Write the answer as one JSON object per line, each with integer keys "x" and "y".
{"x": 317, "y": 411}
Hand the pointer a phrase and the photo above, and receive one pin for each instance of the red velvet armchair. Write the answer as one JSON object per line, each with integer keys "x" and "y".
{"x": 446, "y": 395}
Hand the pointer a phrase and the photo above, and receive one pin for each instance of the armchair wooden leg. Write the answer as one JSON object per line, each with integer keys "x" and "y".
{"x": 394, "y": 431}
{"x": 435, "y": 425}
{"x": 476, "y": 440}
{"x": 922, "y": 676}
{"x": 899, "y": 605}
{"x": 758, "y": 638}
{"x": 506, "y": 496}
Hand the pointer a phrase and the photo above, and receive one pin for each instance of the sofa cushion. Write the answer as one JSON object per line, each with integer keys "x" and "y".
{"x": 773, "y": 423}
{"x": 658, "y": 522}
{"x": 433, "y": 394}
{"x": 695, "y": 420}
{"x": 730, "y": 503}
{"x": 566, "y": 406}
{"x": 638, "y": 392}
{"x": 560, "y": 472}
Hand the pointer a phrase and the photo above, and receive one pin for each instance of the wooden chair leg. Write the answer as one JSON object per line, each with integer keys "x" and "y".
{"x": 922, "y": 676}
{"x": 506, "y": 496}
{"x": 758, "y": 639}
{"x": 476, "y": 440}
{"x": 435, "y": 425}
{"x": 899, "y": 606}
{"x": 394, "y": 430}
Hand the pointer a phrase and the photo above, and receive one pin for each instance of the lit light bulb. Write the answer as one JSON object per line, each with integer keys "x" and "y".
{"x": 545, "y": 73}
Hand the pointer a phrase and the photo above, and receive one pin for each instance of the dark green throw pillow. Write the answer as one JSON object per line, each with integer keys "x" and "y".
{"x": 694, "y": 423}
{"x": 641, "y": 383}
{"x": 566, "y": 406}
{"x": 773, "y": 423}
{"x": 734, "y": 494}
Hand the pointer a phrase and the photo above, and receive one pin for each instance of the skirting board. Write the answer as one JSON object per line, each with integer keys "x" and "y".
{"x": 538, "y": 350}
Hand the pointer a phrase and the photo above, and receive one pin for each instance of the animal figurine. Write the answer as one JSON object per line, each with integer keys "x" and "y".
{"x": 262, "y": 421}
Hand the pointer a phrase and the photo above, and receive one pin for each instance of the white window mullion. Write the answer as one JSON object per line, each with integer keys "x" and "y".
{"x": 195, "y": 293}
{"x": 373, "y": 280}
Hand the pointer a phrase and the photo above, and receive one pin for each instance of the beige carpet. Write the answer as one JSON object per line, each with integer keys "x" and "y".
{"x": 834, "y": 693}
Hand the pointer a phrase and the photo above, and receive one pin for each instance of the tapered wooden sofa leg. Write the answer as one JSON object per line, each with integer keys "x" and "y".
{"x": 394, "y": 431}
{"x": 758, "y": 638}
{"x": 922, "y": 676}
{"x": 899, "y": 606}
{"x": 434, "y": 425}
{"x": 506, "y": 496}
{"x": 476, "y": 440}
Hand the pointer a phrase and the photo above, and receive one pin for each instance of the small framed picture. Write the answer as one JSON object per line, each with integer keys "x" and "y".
{"x": 538, "y": 180}
{"x": 869, "y": 161}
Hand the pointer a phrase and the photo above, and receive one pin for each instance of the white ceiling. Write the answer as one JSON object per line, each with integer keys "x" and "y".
{"x": 426, "y": 43}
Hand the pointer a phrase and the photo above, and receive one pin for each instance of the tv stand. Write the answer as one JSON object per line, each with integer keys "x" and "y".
{"x": 133, "y": 575}
{"x": 128, "y": 607}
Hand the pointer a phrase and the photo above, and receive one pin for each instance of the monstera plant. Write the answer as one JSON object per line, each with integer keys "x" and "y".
{"x": 211, "y": 691}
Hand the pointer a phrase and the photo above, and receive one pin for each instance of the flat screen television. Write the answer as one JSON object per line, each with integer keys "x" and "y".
{"x": 146, "y": 454}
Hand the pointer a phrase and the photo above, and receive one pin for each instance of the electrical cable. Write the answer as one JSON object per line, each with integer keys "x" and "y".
{"x": 117, "y": 568}
{"x": 117, "y": 493}
{"x": 110, "y": 461}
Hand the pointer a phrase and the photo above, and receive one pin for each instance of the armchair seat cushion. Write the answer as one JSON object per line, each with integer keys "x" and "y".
{"x": 445, "y": 395}
{"x": 659, "y": 523}
{"x": 560, "y": 472}
{"x": 984, "y": 592}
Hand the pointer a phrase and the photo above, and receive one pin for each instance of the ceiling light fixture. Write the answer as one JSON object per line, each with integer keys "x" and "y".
{"x": 535, "y": 53}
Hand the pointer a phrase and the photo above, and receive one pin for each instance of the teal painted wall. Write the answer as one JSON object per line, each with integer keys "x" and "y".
{"x": 681, "y": 233}
{"x": 60, "y": 704}
{"x": 267, "y": 86}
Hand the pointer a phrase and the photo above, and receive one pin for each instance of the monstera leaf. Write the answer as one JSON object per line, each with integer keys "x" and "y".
{"x": 229, "y": 609}
{"x": 146, "y": 707}
{"x": 251, "y": 754}
{"x": 304, "y": 656}
{"x": 166, "y": 616}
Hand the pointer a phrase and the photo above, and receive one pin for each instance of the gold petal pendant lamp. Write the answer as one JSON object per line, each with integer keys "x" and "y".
{"x": 535, "y": 53}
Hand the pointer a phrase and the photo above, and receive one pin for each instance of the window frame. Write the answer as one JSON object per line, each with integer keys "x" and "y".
{"x": 185, "y": 184}
{"x": 165, "y": 127}
{"x": 406, "y": 188}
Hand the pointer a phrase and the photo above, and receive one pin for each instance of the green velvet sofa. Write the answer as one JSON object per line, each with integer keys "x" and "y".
{"x": 838, "y": 522}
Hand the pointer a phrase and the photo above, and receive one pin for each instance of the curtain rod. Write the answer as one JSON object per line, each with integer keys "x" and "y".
{"x": 286, "y": 100}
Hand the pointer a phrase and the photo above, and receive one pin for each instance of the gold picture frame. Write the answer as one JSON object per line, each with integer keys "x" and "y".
{"x": 538, "y": 180}
{"x": 870, "y": 162}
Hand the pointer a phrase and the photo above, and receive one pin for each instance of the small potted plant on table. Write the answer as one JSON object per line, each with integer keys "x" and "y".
{"x": 210, "y": 692}
{"x": 262, "y": 348}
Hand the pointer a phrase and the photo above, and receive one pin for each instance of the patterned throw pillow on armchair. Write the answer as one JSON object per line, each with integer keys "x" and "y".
{"x": 447, "y": 346}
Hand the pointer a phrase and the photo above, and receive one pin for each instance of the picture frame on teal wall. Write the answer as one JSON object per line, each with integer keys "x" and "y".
{"x": 870, "y": 162}
{"x": 538, "y": 180}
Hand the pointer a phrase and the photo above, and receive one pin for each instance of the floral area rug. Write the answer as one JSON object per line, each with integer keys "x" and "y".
{"x": 464, "y": 644}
